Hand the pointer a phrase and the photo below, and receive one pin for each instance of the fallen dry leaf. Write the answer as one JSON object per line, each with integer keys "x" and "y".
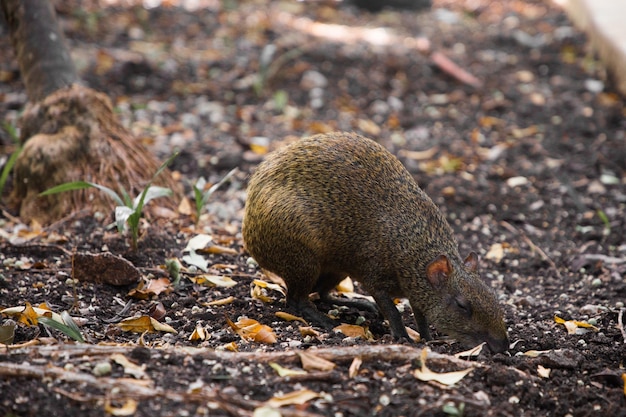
{"x": 269, "y": 285}
{"x": 311, "y": 362}
{"x": 218, "y": 250}
{"x": 576, "y": 327}
{"x": 352, "y": 330}
{"x": 128, "y": 409}
{"x": 282, "y": 371}
{"x": 354, "y": 367}
{"x": 289, "y": 317}
{"x": 144, "y": 324}
{"x": 445, "y": 378}
{"x": 220, "y": 302}
{"x": 231, "y": 347}
{"x": 293, "y": 398}
{"x": 252, "y": 330}
{"x": 153, "y": 287}
{"x": 495, "y": 253}
{"x": 536, "y": 353}
{"x": 346, "y": 285}
{"x": 413, "y": 334}
{"x": 222, "y": 281}
{"x": 543, "y": 372}
{"x": 29, "y": 315}
{"x": 308, "y": 331}
{"x": 130, "y": 368}
{"x": 471, "y": 353}
{"x": 199, "y": 333}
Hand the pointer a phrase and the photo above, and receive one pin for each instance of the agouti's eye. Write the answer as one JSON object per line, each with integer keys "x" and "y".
{"x": 463, "y": 305}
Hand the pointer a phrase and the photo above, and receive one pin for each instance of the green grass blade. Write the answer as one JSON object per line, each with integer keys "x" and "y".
{"x": 69, "y": 331}
{"x": 81, "y": 185}
{"x": 7, "y": 169}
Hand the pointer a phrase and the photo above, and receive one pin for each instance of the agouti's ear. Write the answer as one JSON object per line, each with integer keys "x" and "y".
{"x": 438, "y": 271}
{"x": 471, "y": 262}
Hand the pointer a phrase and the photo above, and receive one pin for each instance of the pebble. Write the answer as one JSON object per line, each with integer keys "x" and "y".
{"x": 102, "y": 368}
{"x": 313, "y": 79}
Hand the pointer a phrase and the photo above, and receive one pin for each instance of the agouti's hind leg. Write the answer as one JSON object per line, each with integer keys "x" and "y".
{"x": 309, "y": 312}
{"x": 328, "y": 281}
{"x": 301, "y": 282}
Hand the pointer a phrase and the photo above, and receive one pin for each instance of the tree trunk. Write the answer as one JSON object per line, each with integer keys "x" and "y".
{"x": 39, "y": 45}
{"x": 69, "y": 132}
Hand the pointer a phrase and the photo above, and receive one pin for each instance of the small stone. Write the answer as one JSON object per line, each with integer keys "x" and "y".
{"x": 313, "y": 79}
{"x": 102, "y": 368}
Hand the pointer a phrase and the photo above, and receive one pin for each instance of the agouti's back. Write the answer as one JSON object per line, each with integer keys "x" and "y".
{"x": 340, "y": 204}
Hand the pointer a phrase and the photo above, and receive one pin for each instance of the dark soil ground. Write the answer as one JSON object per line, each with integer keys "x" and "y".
{"x": 529, "y": 167}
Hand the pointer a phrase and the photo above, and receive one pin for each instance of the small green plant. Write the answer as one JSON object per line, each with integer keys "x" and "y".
{"x": 202, "y": 197}
{"x": 128, "y": 210}
{"x": 453, "y": 410}
{"x": 8, "y": 166}
{"x": 605, "y": 220}
{"x": 68, "y": 327}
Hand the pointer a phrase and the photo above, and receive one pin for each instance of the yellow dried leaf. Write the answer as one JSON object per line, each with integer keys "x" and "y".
{"x": 128, "y": 409}
{"x": 281, "y": 371}
{"x": 354, "y": 367}
{"x": 266, "y": 411}
{"x": 293, "y": 398}
{"x": 259, "y": 149}
{"x": 259, "y": 293}
{"x": 575, "y": 327}
{"x": 543, "y": 372}
{"x": 312, "y": 362}
{"x": 289, "y": 317}
{"x": 471, "y": 353}
{"x": 495, "y": 253}
{"x": 199, "y": 333}
{"x": 368, "y": 127}
{"x": 413, "y": 334}
{"x": 428, "y": 154}
{"x": 144, "y": 324}
{"x": 220, "y": 302}
{"x": 130, "y": 368}
{"x": 184, "y": 207}
{"x": 352, "y": 330}
{"x": 269, "y": 285}
{"x": 624, "y": 379}
{"x": 153, "y": 287}
{"x": 219, "y": 250}
{"x": 445, "y": 378}
{"x": 308, "y": 331}
{"x": 231, "y": 347}
{"x": 489, "y": 121}
{"x": 28, "y": 314}
{"x": 536, "y": 353}
{"x": 222, "y": 281}
{"x": 346, "y": 285}
{"x": 249, "y": 329}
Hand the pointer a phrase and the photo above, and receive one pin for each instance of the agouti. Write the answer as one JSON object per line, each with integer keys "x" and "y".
{"x": 339, "y": 204}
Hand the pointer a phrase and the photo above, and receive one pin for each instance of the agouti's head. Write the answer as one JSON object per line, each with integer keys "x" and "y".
{"x": 469, "y": 309}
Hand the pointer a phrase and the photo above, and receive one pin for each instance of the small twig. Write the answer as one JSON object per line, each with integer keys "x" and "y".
{"x": 120, "y": 315}
{"x": 620, "y": 323}
{"x": 533, "y": 247}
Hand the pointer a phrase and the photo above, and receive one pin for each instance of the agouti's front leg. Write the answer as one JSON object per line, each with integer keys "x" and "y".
{"x": 391, "y": 313}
